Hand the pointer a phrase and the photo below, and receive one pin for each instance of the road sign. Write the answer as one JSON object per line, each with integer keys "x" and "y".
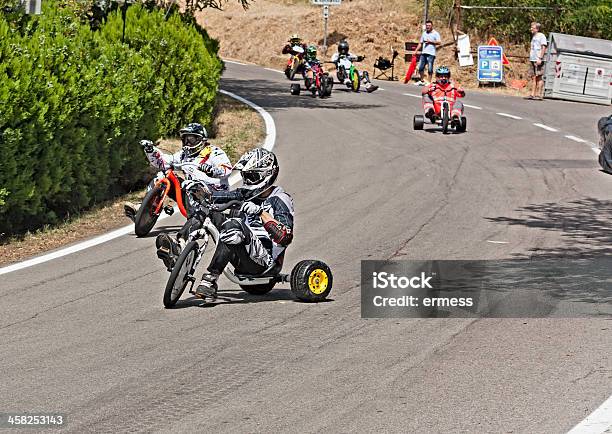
{"x": 326, "y": 2}
{"x": 490, "y": 58}
{"x": 494, "y": 42}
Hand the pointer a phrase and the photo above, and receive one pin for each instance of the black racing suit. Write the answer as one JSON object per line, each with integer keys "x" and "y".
{"x": 244, "y": 241}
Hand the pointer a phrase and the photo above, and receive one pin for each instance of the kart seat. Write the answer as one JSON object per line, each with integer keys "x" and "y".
{"x": 272, "y": 272}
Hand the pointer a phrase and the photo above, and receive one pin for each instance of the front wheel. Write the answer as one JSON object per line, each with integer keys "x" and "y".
{"x": 355, "y": 81}
{"x": 445, "y": 120}
{"x": 181, "y": 275}
{"x": 293, "y": 69}
{"x": 146, "y": 217}
{"x": 311, "y": 280}
{"x": 295, "y": 89}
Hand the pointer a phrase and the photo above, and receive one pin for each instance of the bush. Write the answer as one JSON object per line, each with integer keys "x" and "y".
{"x": 77, "y": 101}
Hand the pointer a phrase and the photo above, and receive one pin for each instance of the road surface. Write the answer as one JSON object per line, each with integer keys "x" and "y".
{"x": 86, "y": 334}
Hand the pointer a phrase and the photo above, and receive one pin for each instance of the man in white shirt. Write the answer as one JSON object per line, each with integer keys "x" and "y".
{"x": 430, "y": 39}
{"x": 536, "y": 57}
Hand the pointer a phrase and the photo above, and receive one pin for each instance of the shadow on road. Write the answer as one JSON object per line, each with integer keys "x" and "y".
{"x": 585, "y": 226}
{"x": 580, "y": 268}
{"x": 241, "y": 297}
{"x": 274, "y": 96}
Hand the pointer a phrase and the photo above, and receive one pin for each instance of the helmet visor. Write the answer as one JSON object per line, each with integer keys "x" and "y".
{"x": 191, "y": 140}
{"x": 252, "y": 177}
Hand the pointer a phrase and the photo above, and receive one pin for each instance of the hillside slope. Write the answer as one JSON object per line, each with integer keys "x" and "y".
{"x": 372, "y": 28}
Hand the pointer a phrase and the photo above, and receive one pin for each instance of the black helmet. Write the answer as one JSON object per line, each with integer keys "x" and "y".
{"x": 194, "y": 138}
{"x": 258, "y": 168}
{"x": 343, "y": 47}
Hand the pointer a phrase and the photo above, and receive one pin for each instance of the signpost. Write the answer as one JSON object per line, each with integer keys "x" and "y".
{"x": 490, "y": 67}
{"x": 326, "y": 4}
{"x": 32, "y": 7}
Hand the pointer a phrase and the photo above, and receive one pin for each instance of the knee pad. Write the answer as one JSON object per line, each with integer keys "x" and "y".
{"x": 233, "y": 232}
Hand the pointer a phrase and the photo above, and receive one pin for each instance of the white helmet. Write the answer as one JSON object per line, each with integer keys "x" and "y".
{"x": 258, "y": 168}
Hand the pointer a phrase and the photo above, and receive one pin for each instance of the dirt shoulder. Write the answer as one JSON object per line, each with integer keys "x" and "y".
{"x": 373, "y": 29}
{"x": 236, "y": 128}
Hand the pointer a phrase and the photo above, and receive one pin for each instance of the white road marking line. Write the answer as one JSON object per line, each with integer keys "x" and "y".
{"x": 274, "y": 70}
{"x": 234, "y": 62}
{"x": 268, "y": 144}
{"x": 575, "y": 139}
{"x": 546, "y": 127}
{"x": 413, "y": 95}
{"x": 597, "y": 422}
{"x": 497, "y": 242}
{"x": 473, "y": 106}
{"x": 509, "y": 115}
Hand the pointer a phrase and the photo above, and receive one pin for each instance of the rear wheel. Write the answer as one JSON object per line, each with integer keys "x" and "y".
{"x": 181, "y": 275}
{"x": 418, "y": 122}
{"x": 311, "y": 280}
{"x": 463, "y": 125}
{"x": 146, "y": 217}
{"x": 258, "y": 289}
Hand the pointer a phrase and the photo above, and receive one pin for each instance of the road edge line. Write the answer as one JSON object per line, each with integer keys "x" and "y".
{"x": 268, "y": 144}
{"x": 597, "y": 422}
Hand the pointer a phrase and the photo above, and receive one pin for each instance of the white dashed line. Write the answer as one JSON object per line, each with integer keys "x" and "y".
{"x": 473, "y": 106}
{"x": 497, "y": 242}
{"x": 509, "y": 115}
{"x": 274, "y": 70}
{"x": 413, "y": 95}
{"x": 545, "y": 127}
{"x": 575, "y": 139}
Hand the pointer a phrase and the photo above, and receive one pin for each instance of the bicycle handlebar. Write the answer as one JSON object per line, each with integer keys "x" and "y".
{"x": 225, "y": 206}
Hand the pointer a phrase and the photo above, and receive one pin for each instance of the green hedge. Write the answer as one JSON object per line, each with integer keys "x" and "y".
{"x": 75, "y": 102}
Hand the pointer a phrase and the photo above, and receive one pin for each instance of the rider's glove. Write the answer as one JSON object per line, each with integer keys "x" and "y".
{"x": 147, "y": 145}
{"x": 250, "y": 208}
{"x": 207, "y": 168}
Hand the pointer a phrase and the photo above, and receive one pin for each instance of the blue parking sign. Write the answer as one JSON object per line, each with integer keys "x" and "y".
{"x": 490, "y": 67}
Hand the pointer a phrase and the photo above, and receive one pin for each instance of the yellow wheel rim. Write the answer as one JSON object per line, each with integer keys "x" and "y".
{"x": 318, "y": 281}
{"x": 355, "y": 80}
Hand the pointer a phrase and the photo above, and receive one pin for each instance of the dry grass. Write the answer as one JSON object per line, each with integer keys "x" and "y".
{"x": 236, "y": 128}
{"x": 372, "y": 28}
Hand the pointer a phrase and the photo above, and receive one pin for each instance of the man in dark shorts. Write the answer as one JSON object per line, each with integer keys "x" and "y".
{"x": 430, "y": 39}
{"x": 536, "y": 57}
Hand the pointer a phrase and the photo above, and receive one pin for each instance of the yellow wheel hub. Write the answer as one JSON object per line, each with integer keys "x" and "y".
{"x": 318, "y": 281}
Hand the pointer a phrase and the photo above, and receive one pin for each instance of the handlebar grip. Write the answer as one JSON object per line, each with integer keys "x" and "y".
{"x": 225, "y": 206}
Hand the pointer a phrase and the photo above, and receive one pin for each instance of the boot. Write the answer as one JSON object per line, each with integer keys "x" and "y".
{"x": 207, "y": 287}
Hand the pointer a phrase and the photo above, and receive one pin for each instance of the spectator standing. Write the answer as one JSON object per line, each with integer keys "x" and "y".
{"x": 430, "y": 39}
{"x": 536, "y": 57}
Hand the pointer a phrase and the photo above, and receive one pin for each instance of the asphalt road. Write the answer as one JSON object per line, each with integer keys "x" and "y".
{"x": 86, "y": 335}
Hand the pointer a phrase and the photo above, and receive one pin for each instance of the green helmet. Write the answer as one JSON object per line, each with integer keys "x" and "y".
{"x": 311, "y": 52}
